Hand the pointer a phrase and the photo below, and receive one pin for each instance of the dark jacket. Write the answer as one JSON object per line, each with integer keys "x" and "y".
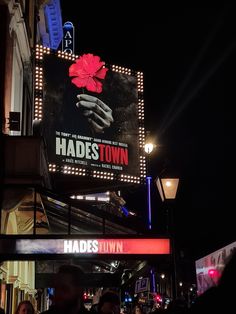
{"x": 54, "y": 310}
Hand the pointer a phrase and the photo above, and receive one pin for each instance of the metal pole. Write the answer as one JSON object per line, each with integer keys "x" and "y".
{"x": 174, "y": 283}
{"x": 170, "y": 230}
{"x": 103, "y": 225}
{"x": 35, "y": 200}
{"x": 69, "y": 222}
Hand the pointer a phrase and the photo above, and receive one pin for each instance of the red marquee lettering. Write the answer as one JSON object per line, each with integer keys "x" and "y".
{"x": 112, "y": 247}
{"x": 101, "y": 147}
{"x": 119, "y": 247}
{"x": 108, "y": 153}
{"x": 112, "y": 154}
{"x": 115, "y": 152}
{"x": 124, "y": 157}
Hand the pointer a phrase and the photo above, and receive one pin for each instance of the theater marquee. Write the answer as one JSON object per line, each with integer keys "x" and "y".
{"x": 93, "y": 246}
{"x": 92, "y": 116}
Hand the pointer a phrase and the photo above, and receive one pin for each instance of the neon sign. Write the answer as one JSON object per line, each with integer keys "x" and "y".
{"x": 93, "y": 246}
{"x": 68, "y": 38}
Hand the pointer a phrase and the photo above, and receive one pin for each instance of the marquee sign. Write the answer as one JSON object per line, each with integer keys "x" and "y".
{"x": 92, "y": 116}
{"x": 93, "y": 246}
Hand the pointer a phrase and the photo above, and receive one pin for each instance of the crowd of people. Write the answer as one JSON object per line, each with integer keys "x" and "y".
{"x": 68, "y": 297}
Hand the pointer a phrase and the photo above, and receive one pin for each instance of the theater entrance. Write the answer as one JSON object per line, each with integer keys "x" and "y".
{"x": 130, "y": 266}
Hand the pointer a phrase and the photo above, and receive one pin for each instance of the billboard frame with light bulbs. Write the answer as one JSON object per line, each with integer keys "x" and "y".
{"x": 135, "y": 171}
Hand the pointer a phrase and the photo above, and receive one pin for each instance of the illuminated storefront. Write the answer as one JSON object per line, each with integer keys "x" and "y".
{"x": 17, "y": 283}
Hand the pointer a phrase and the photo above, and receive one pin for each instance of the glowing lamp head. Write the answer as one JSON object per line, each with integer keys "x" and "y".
{"x": 167, "y": 187}
{"x": 148, "y": 147}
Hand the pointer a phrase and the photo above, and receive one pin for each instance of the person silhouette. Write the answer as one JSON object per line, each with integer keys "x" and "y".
{"x": 68, "y": 291}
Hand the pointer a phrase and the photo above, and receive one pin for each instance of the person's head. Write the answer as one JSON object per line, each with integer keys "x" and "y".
{"x": 109, "y": 303}
{"x": 25, "y": 307}
{"x": 68, "y": 290}
{"x": 137, "y": 310}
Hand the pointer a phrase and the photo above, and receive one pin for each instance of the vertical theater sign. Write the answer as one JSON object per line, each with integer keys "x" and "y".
{"x": 92, "y": 116}
{"x": 68, "y": 41}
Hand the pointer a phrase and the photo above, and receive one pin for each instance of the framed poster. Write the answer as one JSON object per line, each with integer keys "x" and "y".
{"x": 91, "y": 115}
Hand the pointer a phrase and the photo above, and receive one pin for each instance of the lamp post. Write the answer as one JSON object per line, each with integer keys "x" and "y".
{"x": 167, "y": 188}
{"x": 148, "y": 148}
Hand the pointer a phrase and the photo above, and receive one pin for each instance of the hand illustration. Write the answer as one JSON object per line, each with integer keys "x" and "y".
{"x": 99, "y": 115}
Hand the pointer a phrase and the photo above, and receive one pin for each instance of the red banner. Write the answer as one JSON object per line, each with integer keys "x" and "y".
{"x": 134, "y": 246}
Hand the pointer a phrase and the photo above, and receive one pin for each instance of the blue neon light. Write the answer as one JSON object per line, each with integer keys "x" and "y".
{"x": 68, "y": 25}
{"x": 125, "y": 211}
{"x": 52, "y": 12}
{"x": 148, "y": 180}
{"x": 153, "y": 281}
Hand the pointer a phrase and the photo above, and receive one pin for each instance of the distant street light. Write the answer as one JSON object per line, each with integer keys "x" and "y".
{"x": 180, "y": 284}
{"x": 163, "y": 276}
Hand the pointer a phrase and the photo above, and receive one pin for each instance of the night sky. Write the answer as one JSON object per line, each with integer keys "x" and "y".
{"x": 188, "y": 56}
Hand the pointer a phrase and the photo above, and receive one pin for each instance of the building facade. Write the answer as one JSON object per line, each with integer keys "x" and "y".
{"x": 30, "y": 208}
{"x": 23, "y": 23}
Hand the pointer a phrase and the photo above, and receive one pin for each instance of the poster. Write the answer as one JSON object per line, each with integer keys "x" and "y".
{"x": 94, "y": 127}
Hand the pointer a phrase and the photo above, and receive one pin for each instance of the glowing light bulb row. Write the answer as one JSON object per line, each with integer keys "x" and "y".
{"x": 38, "y": 108}
{"x": 141, "y": 137}
{"x": 53, "y": 168}
{"x": 103, "y": 175}
{"x": 129, "y": 179}
{"x": 40, "y": 50}
{"x": 70, "y": 170}
{"x": 142, "y": 162}
{"x": 66, "y": 55}
{"x": 140, "y": 81}
{"x": 120, "y": 69}
{"x": 141, "y": 109}
{"x": 73, "y": 170}
{"x": 38, "y": 78}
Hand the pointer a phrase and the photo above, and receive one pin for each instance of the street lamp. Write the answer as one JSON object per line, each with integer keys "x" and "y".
{"x": 167, "y": 188}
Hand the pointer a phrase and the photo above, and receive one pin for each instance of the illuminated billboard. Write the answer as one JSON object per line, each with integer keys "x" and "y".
{"x": 91, "y": 246}
{"x": 92, "y": 116}
{"x": 210, "y": 267}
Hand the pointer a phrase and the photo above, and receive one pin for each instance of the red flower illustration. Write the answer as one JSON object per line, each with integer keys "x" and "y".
{"x": 88, "y": 71}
